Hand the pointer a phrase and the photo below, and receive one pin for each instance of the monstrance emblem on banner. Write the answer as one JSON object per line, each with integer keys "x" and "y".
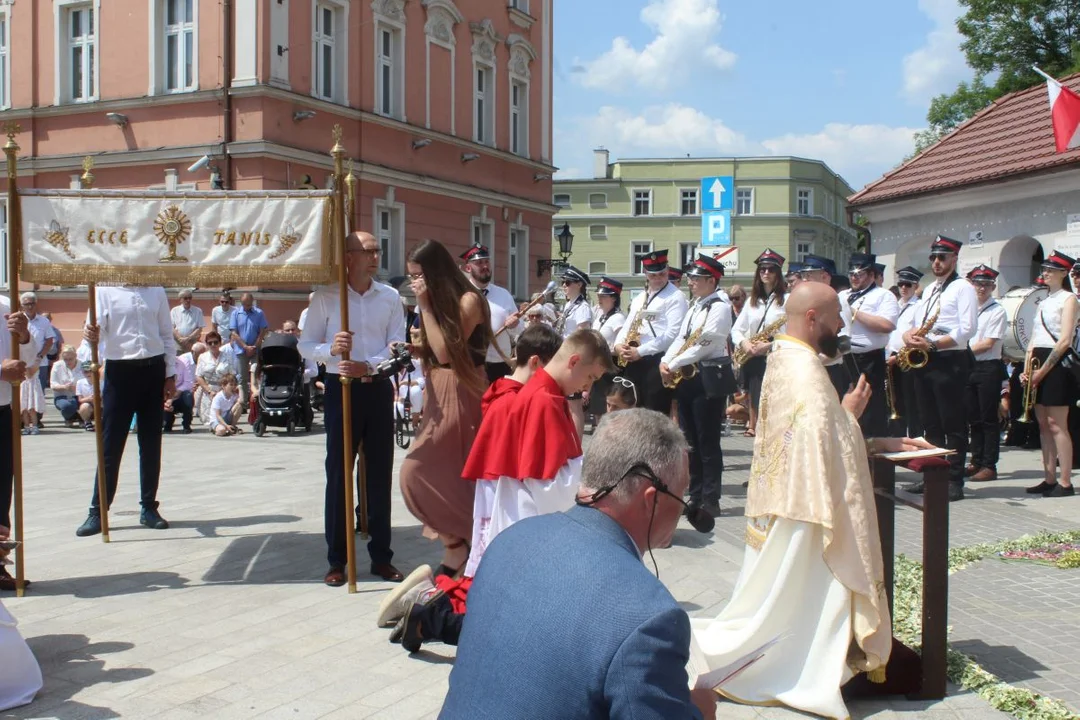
{"x": 172, "y": 227}
{"x": 58, "y": 237}
{"x": 286, "y": 240}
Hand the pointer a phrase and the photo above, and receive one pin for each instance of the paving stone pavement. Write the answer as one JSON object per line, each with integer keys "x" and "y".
{"x": 225, "y": 614}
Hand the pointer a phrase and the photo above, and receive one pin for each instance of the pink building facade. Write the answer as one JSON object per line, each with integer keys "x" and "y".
{"x": 446, "y": 107}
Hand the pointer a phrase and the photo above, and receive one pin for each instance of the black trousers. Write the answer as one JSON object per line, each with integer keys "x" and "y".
{"x": 875, "y": 418}
{"x": 496, "y": 370}
{"x": 183, "y": 403}
{"x": 439, "y": 622}
{"x": 939, "y": 388}
{"x": 373, "y": 425}
{"x": 133, "y": 389}
{"x": 840, "y": 377}
{"x": 645, "y": 374}
{"x": 1020, "y": 434}
{"x": 701, "y": 420}
{"x": 7, "y": 467}
{"x": 907, "y": 405}
{"x": 982, "y": 401}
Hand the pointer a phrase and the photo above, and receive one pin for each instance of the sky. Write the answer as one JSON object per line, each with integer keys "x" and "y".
{"x": 844, "y": 81}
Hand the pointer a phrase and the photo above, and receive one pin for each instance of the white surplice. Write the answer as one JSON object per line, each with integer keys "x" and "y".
{"x": 498, "y": 504}
{"x": 20, "y": 676}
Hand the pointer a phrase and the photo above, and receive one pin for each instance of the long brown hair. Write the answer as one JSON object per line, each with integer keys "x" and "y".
{"x": 446, "y": 286}
{"x": 758, "y": 292}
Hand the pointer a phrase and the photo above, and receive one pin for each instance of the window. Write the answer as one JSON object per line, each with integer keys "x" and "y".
{"x": 329, "y": 49}
{"x": 562, "y": 200}
{"x": 643, "y": 202}
{"x": 390, "y": 232}
{"x": 518, "y": 283}
{"x": 389, "y": 90}
{"x": 386, "y": 239}
{"x": 597, "y": 200}
{"x": 802, "y": 249}
{"x": 597, "y": 268}
{"x": 78, "y": 59}
{"x": 689, "y": 203}
{"x": 5, "y": 78}
{"x": 598, "y": 232}
{"x": 637, "y": 250}
{"x": 519, "y": 117}
{"x": 522, "y": 5}
{"x": 3, "y": 245}
{"x": 687, "y": 254}
{"x": 483, "y": 233}
{"x": 744, "y": 201}
{"x": 179, "y": 45}
{"x": 484, "y": 101}
{"x": 804, "y": 201}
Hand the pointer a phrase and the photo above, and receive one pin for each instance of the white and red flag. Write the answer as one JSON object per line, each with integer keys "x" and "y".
{"x": 1065, "y": 114}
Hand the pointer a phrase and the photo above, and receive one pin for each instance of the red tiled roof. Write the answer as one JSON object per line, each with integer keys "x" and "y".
{"x": 1013, "y": 136}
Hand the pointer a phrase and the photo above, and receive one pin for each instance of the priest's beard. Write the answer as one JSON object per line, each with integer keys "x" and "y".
{"x": 828, "y": 343}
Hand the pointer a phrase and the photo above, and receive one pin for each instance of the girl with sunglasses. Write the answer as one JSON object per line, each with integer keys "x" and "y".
{"x": 766, "y": 305}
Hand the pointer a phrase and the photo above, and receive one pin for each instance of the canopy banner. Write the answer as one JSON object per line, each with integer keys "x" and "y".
{"x": 176, "y": 239}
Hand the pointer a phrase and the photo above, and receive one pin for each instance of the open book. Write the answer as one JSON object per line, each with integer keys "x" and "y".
{"x": 701, "y": 678}
{"x": 913, "y": 454}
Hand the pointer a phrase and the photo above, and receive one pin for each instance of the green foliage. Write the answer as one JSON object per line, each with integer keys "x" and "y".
{"x": 1069, "y": 560}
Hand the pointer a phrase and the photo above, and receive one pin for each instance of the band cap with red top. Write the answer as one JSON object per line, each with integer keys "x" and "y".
{"x": 944, "y": 244}
{"x": 608, "y": 286}
{"x": 655, "y": 262}
{"x": 675, "y": 274}
{"x": 983, "y": 274}
{"x": 705, "y": 266}
{"x": 1058, "y": 261}
{"x": 770, "y": 257}
{"x": 476, "y": 252}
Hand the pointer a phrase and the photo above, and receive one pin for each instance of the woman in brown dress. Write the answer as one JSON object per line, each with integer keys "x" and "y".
{"x": 455, "y": 332}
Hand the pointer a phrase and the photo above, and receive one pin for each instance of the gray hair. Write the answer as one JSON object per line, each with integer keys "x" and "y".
{"x": 627, "y": 438}
{"x": 67, "y": 350}
{"x": 184, "y": 293}
{"x": 28, "y": 296}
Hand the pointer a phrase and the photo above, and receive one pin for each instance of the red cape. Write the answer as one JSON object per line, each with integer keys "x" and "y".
{"x": 504, "y": 387}
{"x": 531, "y": 437}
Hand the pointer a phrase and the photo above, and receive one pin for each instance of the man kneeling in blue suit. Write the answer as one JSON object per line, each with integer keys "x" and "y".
{"x": 565, "y": 621}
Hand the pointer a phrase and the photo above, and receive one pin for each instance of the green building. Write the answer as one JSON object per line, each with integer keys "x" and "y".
{"x": 631, "y": 207}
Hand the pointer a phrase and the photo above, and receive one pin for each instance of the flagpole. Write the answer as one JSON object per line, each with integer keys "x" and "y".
{"x": 11, "y": 150}
{"x": 1036, "y": 69}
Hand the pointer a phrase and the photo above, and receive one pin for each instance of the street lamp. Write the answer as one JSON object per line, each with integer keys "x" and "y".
{"x": 566, "y": 244}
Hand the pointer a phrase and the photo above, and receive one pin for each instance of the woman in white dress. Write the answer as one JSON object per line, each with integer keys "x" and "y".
{"x": 608, "y": 322}
{"x": 214, "y": 364}
{"x": 20, "y": 676}
{"x": 1056, "y": 391}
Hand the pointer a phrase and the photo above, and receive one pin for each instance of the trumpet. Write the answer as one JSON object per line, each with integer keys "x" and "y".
{"x": 1029, "y": 390}
{"x": 912, "y": 358}
{"x": 890, "y": 393}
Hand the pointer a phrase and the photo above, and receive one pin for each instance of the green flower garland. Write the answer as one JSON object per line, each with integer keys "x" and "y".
{"x": 962, "y": 669}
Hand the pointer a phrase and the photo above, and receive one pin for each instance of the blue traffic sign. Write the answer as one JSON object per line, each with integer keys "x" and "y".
{"x": 717, "y": 193}
{"x": 716, "y": 228}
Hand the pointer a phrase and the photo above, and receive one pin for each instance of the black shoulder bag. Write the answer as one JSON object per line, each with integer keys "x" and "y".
{"x": 717, "y": 376}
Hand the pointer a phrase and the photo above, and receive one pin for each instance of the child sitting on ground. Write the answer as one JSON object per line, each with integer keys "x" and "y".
{"x": 225, "y": 408}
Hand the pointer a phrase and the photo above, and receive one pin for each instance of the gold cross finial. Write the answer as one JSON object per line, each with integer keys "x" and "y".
{"x": 11, "y": 129}
{"x": 338, "y": 132}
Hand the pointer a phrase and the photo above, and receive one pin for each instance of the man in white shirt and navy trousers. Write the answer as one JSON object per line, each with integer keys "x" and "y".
{"x": 135, "y": 332}
{"x": 984, "y": 383}
{"x": 504, "y": 311}
{"x": 376, "y": 322}
{"x": 10, "y": 369}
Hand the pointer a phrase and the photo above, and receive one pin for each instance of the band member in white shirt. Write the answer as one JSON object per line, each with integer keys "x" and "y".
{"x": 984, "y": 383}
{"x": 376, "y": 322}
{"x": 675, "y": 275}
{"x": 907, "y": 280}
{"x": 764, "y": 307}
{"x": 873, "y": 316}
{"x": 701, "y": 350}
{"x": 504, "y": 311}
{"x": 577, "y": 314}
{"x": 608, "y": 319}
{"x": 939, "y": 385}
{"x": 135, "y": 332}
{"x": 666, "y": 307}
{"x": 1051, "y": 344}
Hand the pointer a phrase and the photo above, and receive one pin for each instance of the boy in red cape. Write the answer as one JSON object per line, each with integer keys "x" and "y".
{"x": 526, "y": 460}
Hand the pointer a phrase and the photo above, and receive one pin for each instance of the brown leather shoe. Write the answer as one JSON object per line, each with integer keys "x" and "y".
{"x": 387, "y": 572}
{"x": 971, "y": 470}
{"x": 984, "y": 475}
{"x": 7, "y": 583}
{"x": 335, "y": 577}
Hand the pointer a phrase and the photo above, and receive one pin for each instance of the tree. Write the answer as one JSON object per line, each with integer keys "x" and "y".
{"x": 1002, "y": 40}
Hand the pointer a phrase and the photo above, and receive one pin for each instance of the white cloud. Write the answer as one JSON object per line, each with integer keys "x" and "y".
{"x": 939, "y": 64}
{"x": 686, "y": 31}
{"x": 860, "y": 153}
{"x": 671, "y": 129}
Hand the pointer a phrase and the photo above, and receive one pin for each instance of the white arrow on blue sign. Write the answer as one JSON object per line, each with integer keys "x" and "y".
{"x": 716, "y": 228}
{"x": 717, "y": 193}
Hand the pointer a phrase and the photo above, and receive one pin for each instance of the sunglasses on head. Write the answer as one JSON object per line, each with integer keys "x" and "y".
{"x": 624, "y": 382}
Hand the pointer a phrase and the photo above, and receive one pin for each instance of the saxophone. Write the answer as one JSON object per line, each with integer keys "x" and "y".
{"x": 689, "y": 371}
{"x": 633, "y": 338}
{"x": 740, "y": 356}
{"x": 910, "y": 358}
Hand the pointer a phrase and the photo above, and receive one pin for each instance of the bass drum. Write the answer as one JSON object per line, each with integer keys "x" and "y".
{"x": 1020, "y": 306}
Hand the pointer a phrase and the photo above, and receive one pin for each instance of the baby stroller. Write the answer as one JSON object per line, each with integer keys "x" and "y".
{"x": 283, "y": 395}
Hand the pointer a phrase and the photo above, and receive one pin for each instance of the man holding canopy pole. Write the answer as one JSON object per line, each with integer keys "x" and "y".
{"x": 12, "y": 369}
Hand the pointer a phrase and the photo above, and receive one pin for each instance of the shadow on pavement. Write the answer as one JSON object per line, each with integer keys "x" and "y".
{"x": 111, "y": 585}
{"x": 1005, "y": 661}
{"x": 71, "y": 663}
{"x": 209, "y": 528}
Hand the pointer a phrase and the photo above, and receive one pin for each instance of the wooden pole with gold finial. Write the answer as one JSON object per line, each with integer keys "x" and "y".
{"x": 11, "y": 150}
{"x": 87, "y": 181}
{"x": 361, "y": 463}
{"x": 341, "y": 237}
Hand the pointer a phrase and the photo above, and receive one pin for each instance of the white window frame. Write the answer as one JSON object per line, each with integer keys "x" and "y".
{"x": 809, "y": 201}
{"x": 3, "y": 244}
{"x": 483, "y": 115}
{"x": 521, "y": 55}
{"x": 339, "y": 44}
{"x": 683, "y": 197}
{"x": 598, "y": 205}
{"x": 555, "y": 200}
{"x": 649, "y": 199}
{"x": 749, "y": 190}
{"x": 803, "y": 248}
{"x": 392, "y": 262}
{"x": 598, "y": 232}
{"x": 5, "y": 59}
{"x": 159, "y": 48}
{"x": 597, "y": 268}
{"x": 522, "y": 5}
{"x": 684, "y": 258}
{"x": 482, "y": 230}
{"x": 390, "y": 68}
{"x": 442, "y": 18}
{"x": 636, "y": 252}
{"x": 63, "y": 91}
{"x": 518, "y": 259}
